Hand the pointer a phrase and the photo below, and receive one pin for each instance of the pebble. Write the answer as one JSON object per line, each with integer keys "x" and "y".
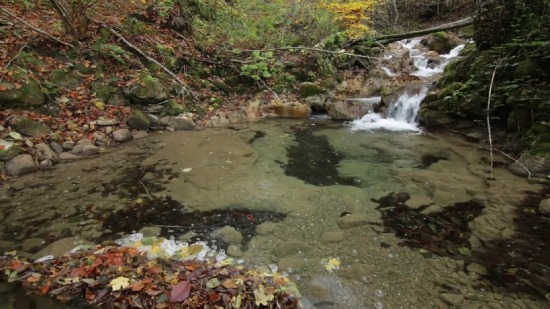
{"x": 107, "y": 122}
{"x": 122, "y": 135}
{"x": 351, "y": 221}
{"x": 544, "y": 207}
{"x": 452, "y": 299}
{"x": 228, "y": 234}
{"x": 332, "y": 237}
{"x": 477, "y": 269}
{"x": 234, "y": 251}
{"x": 68, "y": 145}
{"x": 56, "y": 147}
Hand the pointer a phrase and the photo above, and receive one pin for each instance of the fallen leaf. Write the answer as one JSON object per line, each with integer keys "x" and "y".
{"x": 212, "y": 283}
{"x": 180, "y": 291}
{"x": 119, "y": 283}
{"x": 261, "y": 297}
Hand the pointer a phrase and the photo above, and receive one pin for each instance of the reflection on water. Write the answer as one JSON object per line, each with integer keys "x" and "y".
{"x": 301, "y": 176}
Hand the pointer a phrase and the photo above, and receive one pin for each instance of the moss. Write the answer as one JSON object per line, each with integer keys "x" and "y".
{"x": 308, "y": 89}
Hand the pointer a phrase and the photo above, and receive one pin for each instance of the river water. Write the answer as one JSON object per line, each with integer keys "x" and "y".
{"x": 304, "y": 177}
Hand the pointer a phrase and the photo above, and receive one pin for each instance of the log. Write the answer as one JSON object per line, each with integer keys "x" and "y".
{"x": 385, "y": 39}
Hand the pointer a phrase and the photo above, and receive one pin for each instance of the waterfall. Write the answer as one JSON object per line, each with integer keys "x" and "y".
{"x": 402, "y": 114}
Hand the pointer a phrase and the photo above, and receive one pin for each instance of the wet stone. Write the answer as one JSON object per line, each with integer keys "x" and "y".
{"x": 150, "y": 231}
{"x": 452, "y": 299}
{"x": 291, "y": 248}
{"x": 56, "y": 147}
{"x": 122, "y": 135}
{"x": 61, "y": 246}
{"x": 351, "y": 221}
{"x": 293, "y": 264}
{"x": 84, "y": 147}
{"x": 234, "y": 251}
{"x": 544, "y": 207}
{"x": 68, "y": 145}
{"x": 265, "y": 228}
{"x": 332, "y": 237}
{"x": 476, "y": 269}
{"x": 32, "y": 243}
{"x": 228, "y": 234}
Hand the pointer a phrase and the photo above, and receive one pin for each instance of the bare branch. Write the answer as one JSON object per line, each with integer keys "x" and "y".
{"x": 34, "y": 28}
{"x": 312, "y": 49}
{"x": 489, "y": 122}
{"x": 140, "y": 52}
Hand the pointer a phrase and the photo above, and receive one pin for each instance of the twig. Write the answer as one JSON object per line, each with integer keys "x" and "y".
{"x": 271, "y": 90}
{"x": 146, "y": 191}
{"x": 515, "y": 160}
{"x": 15, "y": 57}
{"x": 488, "y": 120}
{"x": 34, "y": 28}
{"x": 312, "y": 49}
{"x": 139, "y": 51}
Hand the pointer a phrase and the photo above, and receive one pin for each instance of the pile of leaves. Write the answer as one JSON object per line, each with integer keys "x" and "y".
{"x": 124, "y": 277}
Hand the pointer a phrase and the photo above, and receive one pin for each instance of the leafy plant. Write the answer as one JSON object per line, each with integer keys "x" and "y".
{"x": 262, "y": 66}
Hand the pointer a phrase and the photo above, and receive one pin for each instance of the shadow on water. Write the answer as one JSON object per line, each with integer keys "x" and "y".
{"x": 143, "y": 208}
{"x": 314, "y": 160}
{"x": 520, "y": 264}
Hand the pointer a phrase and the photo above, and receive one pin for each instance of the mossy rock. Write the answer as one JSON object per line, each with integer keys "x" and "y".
{"x": 434, "y": 118}
{"x": 173, "y": 108}
{"x": 526, "y": 68}
{"x": 29, "y": 127}
{"x": 8, "y": 151}
{"x": 103, "y": 92}
{"x": 449, "y": 90}
{"x": 29, "y": 95}
{"x": 308, "y": 89}
{"x": 63, "y": 79}
{"x": 147, "y": 91}
{"x": 138, "y": 120}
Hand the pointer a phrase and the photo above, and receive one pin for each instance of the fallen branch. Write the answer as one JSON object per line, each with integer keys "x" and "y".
{"x": 516, "y": 161}
{"x": 140, "y": 52}
{"x": 413, "y": 34}
{"x": 34, "y": 28}
{"x": 312, "y": 49}
{"x": 488, "y": 120}
{"x": 15, "y": 57}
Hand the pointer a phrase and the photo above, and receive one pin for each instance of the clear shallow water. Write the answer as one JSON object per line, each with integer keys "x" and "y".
{"x": 268, "y": 167}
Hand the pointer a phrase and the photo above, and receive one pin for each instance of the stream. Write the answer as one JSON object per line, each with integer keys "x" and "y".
{"x": 407, "y": 214}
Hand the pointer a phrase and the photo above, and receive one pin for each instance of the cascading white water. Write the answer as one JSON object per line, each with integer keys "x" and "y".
{"x": 403, "y": 112}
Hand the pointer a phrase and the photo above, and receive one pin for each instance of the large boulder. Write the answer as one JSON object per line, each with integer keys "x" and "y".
{"x": 28, "y": 95}
{"x": 139, "y": 120}
{"x": 65, "y": 79}
{"x": 29, "y": 127}
{"x": 21, "y": 165}
{"x": 292, "y": 109}
{"x": 441, "y": 42}
{"x": 348, "y": 110}
{"x": 148, "y": 91}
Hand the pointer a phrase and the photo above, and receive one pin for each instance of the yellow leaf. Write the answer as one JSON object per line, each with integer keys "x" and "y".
{"x": 119, "y": 283}
{"x": 261, "y": 297}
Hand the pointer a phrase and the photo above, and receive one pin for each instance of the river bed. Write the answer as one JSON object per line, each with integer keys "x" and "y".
{"x": 301, "y": 193}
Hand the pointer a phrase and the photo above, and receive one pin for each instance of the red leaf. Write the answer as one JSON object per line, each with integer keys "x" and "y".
{"x": 180, "y": 292}
{"x": 214, "y": 297}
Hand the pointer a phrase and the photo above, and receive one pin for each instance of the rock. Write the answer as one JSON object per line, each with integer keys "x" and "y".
{"x": 68, "y": 145}
{"x": 45, "y": 152}
{"x": 173, "y": 108}
{"x": 418, "y": 200}
{"x": 31, "y": 243}
{"x": 149, "y": 90}
{"x": 526, "y": 68}
{"x": 538, "y": 164}
{"x": 265, "y": 228}
{"x": 347, "y": 110}
{"x": 65, "y": 156}
{"x": 291, "y": 248}
{"x": 440, "y": 42}
{"x": 154, "y": 121}
{"x": 432, "y": 55}
{"x": 452, "y": 299}
{"x": 544, "y": 207}
{"x": 292, "y": 264}
{"x": 432, "y": 210}
{"x": 122, "y": 135}
{"x": 140, "y": 134}
{"x": 150, "y": 231}
{"x": 45, "y": 164}
{"x": 101, "y": 139}
{"x": 8, "y": 150}
{"x": 118, "y": 99}
{"x": 21, "y": 165}
{"x": 357, "y": 272}
{"x": 234, "y": 251}
{"x": 138, "y": 120}
{"x": 30, "y": 95}
{"x": 84, "y": 147}
{"x": 351, "y": 221}
{"x": 107, "y": 122}
{"x": 29, "y": 127}
{"x": 332, "y": 237}
{"x": 62, "y": 246}
{"x": 308, "y": 89}
{"x": 228, "y": 234}
{"x": 317, "y": 103}
{"x": 64, "y": 79}
{"x": 278, "y": 108}
{"x": 56, "y": 147}
{"x": 476, "y": 269}
{"x": 181, "y": 123}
